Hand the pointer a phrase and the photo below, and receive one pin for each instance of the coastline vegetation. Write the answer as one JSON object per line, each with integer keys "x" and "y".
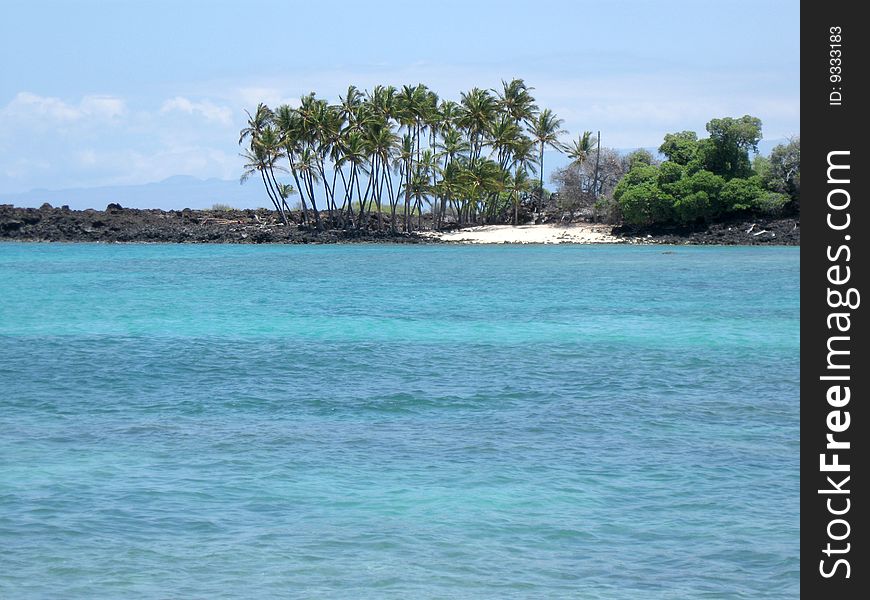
{"x": 373, "y": 159}
{"x": 709, "y": 179}
{"x": 384, "y": 160}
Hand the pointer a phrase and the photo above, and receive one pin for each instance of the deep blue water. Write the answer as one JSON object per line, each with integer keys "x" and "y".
{"x": 398, "y": 422}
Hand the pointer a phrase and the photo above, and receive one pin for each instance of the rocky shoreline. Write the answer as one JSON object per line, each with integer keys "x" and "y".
{"x": 261, "y": 226}
{"x": 742, "y": 231}
{"x": 117, "y": 224}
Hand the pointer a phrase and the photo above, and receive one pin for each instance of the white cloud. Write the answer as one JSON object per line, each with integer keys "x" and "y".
{"x": 103, "y": 106}
{"x": 97, "y": 140}
{"x": 27, "y": 105}
{"x": 206, "y": 109}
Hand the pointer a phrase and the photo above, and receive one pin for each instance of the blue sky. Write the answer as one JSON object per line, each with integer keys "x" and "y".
{"x": 116, "y": 92}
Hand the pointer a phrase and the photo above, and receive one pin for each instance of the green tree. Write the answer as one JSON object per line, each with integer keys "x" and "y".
{"x": 726, "y": 151}
{"x": 741, "y": 194}
{"x": 680, "y": 148}
{"x": 696, "y": 196}
{"x": 640, "y": 199}
{"x": 670, "y": 175}
{"x": 645, "y": 204}
{"x": 640, "y": 157}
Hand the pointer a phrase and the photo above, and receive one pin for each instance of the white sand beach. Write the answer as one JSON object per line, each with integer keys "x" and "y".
{"x": 580, "y": 233}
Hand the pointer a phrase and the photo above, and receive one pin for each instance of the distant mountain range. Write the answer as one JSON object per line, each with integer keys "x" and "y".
{"x": 183, "y": 191}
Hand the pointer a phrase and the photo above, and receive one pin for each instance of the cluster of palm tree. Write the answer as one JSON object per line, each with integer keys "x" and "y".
{"x": 382, "y": 158}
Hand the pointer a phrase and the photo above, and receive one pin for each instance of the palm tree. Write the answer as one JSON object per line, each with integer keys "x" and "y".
{"x": 452, "y": 150}
{"x": 504, "y": 135}
{"x": 407, "y": 114}
{"x": 448, "y": 113}
{"x": 449, "y": 188}
{"x": 480, "y": 179}
{"x": 517, "y": 185}
{"x": 350, "y": 104}
{"x": 524, "y": 163}
{"x": 320, "y": 125}
{"x": 256, "y": 123}
{"x": 381, "y": 142}
{"x": 382, "y": 101}
{"x": 285, "y": 190}
{"x": 578, "y": 150}
{"x": 426, "y": 169}
{"x": 403, "y": 163}
{"x": 290, "y": 126}
{"x": 269, "y": 140}
{"x": 353, "y": 152}
{"x": 330, "y": 124}
{"x": 307, "y": 167}
{"x": 257, "y": 161}
{"x": 545, "y": 129}
{"x": 523, "y": 154}
{"x": 476, "y": 118}
{"x": 264, "y": 150}
{"x": 516, "y": 101}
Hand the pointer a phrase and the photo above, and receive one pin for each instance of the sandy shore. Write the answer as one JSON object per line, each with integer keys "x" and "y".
{"x": 531, "y": 234}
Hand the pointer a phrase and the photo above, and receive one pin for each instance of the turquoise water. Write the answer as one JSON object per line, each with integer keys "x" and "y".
{"x": 398, "y": 422}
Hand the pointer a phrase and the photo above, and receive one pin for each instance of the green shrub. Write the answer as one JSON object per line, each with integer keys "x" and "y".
{"x": 639, "y": 158}
{"x": 669, "y": 174}
{"x": 692, "y": 207}
{"x": 680, "y": 148}
{"x": 645, "y": 204}
{"x": 706, "y": 179}
{"x": 740, "y": 194}
{"x": 639, "y": 174}
{"x": 771, "y": 202}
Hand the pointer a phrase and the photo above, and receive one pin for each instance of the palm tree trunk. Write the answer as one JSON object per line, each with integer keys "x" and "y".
{"x": 299, "y": 187}
{"x": 393, "y": 203}
{"x": 350, "y": 213}
{"x": 541, "y": 184}
{"x": 365, "y": 203}
{"x": 341, "y": 212}
{"x": 419, "y": 213}
{"x": 407, "y": 215}
{"x": 376, "y": 192}
{"x": 443, "y": 211}
{"x": 597, "y": 162}
{"x": 268, "y": 189}
{"x": 277, "y": 195}
{"x": 310, "y": 183}
{"x": 327, "y": 193}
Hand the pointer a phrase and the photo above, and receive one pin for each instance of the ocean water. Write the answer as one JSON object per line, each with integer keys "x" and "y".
{"x": 375, "y": 421}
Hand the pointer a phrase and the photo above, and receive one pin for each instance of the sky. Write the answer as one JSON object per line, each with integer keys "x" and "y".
{"x": 124, "y": 92}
